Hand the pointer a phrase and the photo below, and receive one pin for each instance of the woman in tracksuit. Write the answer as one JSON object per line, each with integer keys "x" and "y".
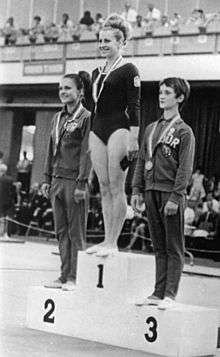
{"x": 67, "y": 168}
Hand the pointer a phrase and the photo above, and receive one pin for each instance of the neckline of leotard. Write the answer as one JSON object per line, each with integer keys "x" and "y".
{"x": 122, "y": 65}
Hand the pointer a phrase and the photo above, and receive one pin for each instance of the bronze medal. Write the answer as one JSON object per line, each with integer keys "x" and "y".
{"x": 148, "y": 165}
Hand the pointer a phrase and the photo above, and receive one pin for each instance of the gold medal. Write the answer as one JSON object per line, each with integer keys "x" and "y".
{"x": 148, "y": 165}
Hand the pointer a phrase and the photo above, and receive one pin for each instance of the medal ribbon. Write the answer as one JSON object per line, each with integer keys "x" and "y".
{"x": 95, "y": 84}
{"x": 162, "y": 135}
{"x": 80, "y": 107}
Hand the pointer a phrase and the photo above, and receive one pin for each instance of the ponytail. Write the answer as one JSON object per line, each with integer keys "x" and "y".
{"x": 83, "y": 82}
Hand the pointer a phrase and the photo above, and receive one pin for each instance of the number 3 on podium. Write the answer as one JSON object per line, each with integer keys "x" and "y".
{"x": 152, "y": 336}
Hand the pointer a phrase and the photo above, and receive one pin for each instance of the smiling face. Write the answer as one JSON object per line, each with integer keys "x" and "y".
{"x": 68, "y": 92}
{"x": 168, "y": 99}
{"x": 109, "y": 46}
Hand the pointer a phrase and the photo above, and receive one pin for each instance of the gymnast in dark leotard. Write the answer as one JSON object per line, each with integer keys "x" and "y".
{"x": 115, "y": 126}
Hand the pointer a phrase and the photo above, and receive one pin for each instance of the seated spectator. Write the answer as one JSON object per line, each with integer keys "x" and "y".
{"x": 139, "y": 21}
{"x": 66, "y": 23}
{"x": 7, "y": 197}
{"x": 210, "y": 184}
{"x": 129, "y": 14}
{"x": 189, "y": 218}
{"x": 210, "y": 200}
{"x": 198, "y": 212}
{"x": 175, "y": 22}
{"x": 164, "y": 21}
{"x": 87, "y": 20}
{"x": 51, "y": 33}
{"x": 65, "y": 28}
{"x": 98, "y": 23}
{"x": 153, "y": 13}
{"x": 197, "y": 191}
{"x": 9, "y": 32}
{"x": 197, "y": 18}
{"x": 216, "y": 193}
{"x": 207, "y": 220}
{"x": 36, "y": 30}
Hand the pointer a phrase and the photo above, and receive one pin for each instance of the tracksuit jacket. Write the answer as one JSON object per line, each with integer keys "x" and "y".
{"x": 172, "y": 160}
{"x": 69, "y": 157}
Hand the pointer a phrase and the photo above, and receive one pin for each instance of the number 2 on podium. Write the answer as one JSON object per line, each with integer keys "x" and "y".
{"x": 49, "y": 303}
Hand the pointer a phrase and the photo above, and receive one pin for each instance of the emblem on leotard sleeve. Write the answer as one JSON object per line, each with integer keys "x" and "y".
{"x": 137, "y": 81}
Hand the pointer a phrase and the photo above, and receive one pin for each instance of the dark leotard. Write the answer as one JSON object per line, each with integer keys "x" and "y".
{"x": 118, "y": 105}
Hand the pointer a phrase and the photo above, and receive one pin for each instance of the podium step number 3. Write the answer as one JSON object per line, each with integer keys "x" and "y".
{"x": 105, "y": 293}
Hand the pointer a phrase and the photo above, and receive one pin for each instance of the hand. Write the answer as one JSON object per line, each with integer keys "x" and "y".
{"x": 170, "y": 208}
{"x": 45, "y": 189}
{"x": 136, "y": 202}
{"x": 132, "y": 155}
{"x": 79, "y": 195}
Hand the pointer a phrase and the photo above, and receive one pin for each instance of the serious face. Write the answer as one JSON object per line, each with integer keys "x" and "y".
{"x": 109, "y": 46}
{"x": 167, "y": 98}
{"x": 68, "y": 92}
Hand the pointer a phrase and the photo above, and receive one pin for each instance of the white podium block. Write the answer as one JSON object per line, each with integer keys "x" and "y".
{"x": 118, "y": 277}
{"x": 183, "y": 331}
{"x": 102, "y": 309}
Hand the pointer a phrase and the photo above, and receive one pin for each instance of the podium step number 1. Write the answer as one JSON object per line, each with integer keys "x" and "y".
{"x": 102, "y": 309}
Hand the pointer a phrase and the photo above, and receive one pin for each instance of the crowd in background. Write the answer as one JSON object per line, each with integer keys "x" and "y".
{"x": 68, "y": 31}
{"x": 28, "y": 206}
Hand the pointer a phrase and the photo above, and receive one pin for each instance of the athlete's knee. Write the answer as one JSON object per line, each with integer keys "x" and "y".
{"x": 104, "y": 188}
{"x": 116, "y": 189}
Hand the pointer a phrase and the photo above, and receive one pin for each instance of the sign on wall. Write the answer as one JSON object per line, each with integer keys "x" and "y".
{"x": 40, "y": 68}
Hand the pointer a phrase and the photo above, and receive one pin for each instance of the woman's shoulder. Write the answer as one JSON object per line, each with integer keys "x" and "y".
{"x": 130, "y": 66}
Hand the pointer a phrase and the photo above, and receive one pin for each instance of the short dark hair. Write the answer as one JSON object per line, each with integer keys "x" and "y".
{"x": 179, "y": 85}
{"x": 37, "y": 17}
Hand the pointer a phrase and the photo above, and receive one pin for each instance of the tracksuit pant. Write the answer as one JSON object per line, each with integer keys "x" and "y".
{"x": 167, "y": 234}
{"x": 70, "y": 220}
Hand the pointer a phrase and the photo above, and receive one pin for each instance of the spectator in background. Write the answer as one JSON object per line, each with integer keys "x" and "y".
{"x": 175, "y": 22}
{"x": 197, "y": 191}
{"x": 87, "y": 20}
{"x": 189, "y": 218}
{"x": 164, "y": 21}
{"x": 215, "y": 204}
{"x": 65, "y": 28}
{"x": 1, "y": 157}
{"x": 98, "y": 23}
{"x": 153, "y": 13}
{"x": 36, "y": 30}
{"x": 9, "y": 31}
{"x": 207, "y": 221}
{"x": 216, "y": 193}
{"x": 51, "y": 33}
{"x": 66, "y": 23}
{"x": 24, "y": 171}
{"x": 197, "y": 18}
{"x": 7, "y": 198}
{"x": 139, "y": 21}
{"x": 130, "y": 14}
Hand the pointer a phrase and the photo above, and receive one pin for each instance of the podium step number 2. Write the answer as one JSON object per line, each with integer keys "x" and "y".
{"x": 105, "y": 293}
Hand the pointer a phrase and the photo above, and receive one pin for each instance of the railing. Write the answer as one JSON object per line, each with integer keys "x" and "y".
{"x": 157, "y": 45}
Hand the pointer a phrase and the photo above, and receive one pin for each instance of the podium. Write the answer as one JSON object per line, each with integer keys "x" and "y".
{"x": 102, "y": 309}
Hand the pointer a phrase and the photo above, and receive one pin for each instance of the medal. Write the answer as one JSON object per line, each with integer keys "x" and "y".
{"x": 148, "y": 165}
{"x": 95, "y": 92}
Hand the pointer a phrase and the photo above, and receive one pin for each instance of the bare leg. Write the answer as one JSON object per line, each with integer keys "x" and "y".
{"x": 117, "y": 149}
{"x": 99, "y": 159}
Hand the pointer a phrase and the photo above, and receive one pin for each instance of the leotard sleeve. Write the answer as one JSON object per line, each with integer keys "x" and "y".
{"x": 133, "y": 85}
